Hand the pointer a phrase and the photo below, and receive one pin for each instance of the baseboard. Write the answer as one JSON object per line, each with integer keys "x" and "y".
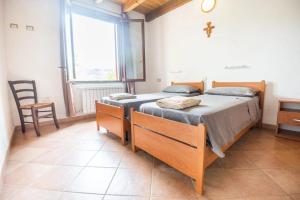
{"x": 61, "y": 121}
{"x": 75, "y": 118}
{"x": 5, "y": 159}
{"x": 269, "y": 126}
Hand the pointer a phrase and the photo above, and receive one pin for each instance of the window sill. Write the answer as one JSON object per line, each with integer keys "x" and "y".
{"x": 92, "y": 82}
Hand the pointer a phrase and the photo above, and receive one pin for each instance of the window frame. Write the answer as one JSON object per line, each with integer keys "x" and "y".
{"x": 142, "y": 21}
{"x": 77, "y": 9}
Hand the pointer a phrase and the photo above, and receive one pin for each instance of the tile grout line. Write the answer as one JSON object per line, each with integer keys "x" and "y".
{"x": 65, "y": 187}
{"x": 82, "y": 168}
{"x": 86, "y": 166}
{"x": 274, "y": 181}
{"x": 152, "y": 171}
{"x": 113, "y": 176}
{"x": 110, "y": 182}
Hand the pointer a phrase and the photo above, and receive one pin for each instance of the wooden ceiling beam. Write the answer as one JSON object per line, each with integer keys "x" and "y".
{"x": 132, "y": 4}
{"x": 167, "y": 7}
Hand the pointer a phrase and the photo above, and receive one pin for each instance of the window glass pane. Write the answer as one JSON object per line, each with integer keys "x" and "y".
{"x": 134, "y": 50}
{"x": 94, "y": 43}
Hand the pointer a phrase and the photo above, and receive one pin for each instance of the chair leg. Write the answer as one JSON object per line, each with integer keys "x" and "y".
{"x": 54, "y": 116}
{"x": 37, "y": 116}
{"x": 23, "y": 127}
{"x": 35, "y": 121}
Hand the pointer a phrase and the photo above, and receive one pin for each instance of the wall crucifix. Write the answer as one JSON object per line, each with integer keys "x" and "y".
{"x": 208, "y": 29}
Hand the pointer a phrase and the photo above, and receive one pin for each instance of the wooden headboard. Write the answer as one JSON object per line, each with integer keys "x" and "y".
{"x": 198, "y": 85}
{"x": 259, "y": 86}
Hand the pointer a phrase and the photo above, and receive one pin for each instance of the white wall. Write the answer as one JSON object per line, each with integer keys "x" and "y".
{"x": 35, "y": 54}
{"x": 264, "y": 35}
{"x": 6, "y": 126}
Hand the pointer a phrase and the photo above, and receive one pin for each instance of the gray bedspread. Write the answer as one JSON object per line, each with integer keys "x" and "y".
{"x": 224, "y": 116}
{"x": 140, "y": 99}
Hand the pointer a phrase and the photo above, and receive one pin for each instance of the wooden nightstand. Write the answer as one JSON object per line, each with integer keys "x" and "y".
{"x": 289, "y": 115}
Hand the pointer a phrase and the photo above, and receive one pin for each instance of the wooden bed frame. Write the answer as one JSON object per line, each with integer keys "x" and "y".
{"x": 180, "y": 145}
{"x": 113, "y": 118}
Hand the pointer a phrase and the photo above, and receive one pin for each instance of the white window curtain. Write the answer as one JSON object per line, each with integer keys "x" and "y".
{"x": 66, "y": 52}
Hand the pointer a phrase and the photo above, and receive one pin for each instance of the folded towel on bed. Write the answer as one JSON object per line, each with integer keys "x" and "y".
{"x": 121, "y": 96}
{"x": 178, "y": 102}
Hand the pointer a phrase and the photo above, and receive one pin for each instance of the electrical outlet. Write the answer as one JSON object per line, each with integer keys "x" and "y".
{"x": 158, "y": 80}
{"x": 13, "y": 26}
{"x": 29, "y": 28}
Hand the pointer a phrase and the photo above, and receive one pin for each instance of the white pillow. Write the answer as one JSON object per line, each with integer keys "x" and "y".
{"x": 181, "y": 89}
{"x": 233, "y": 91}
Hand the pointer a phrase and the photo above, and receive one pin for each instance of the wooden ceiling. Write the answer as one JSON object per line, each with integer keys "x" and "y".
{"x": 150, "y": 5}
{"x": 151, "y": 8}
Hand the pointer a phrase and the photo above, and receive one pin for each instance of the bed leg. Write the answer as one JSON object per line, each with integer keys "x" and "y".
{"x": 123, "y": 131}
{"x": 199, "y": 184}
{"x": 98, "y": 126}
{"x": 123, "y": 139}
{"x": 97, "y": 121}
{"x": 97, "y": 117}
{"x": 133, "y": 147}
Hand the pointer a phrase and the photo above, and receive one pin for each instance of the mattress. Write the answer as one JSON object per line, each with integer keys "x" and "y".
{"x": 140, "y": 99}
{"x": 224, "y": 116}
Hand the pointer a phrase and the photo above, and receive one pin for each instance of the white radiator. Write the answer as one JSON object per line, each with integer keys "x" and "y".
{"x": 86, "y": 95}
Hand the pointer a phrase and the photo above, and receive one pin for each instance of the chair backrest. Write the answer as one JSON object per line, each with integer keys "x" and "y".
{"x": 25, "y": 87}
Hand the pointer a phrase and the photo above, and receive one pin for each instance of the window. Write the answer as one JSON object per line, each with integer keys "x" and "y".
{"x": 99, "y": 47}
{"x": 95, "y": 52}
{"x": 133, "y": 34}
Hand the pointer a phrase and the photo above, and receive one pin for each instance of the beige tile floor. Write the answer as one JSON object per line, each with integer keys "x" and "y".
{"x": 79, "y": 163}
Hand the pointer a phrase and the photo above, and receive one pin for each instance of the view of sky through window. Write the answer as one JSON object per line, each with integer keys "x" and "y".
{"x": 94, "y": 43}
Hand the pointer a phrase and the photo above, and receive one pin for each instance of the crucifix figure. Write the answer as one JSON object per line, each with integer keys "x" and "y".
{"x": 208, "y": 29}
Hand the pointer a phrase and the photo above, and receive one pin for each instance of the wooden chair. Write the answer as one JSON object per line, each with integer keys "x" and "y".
{"x": 29, "y": 94}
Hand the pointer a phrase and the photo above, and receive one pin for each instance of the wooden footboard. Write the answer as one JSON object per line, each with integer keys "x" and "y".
{"x": 113, "y": 119}
{"x": 181, "y": 146}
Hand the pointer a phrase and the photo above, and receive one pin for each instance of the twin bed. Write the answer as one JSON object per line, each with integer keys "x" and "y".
{"x": 189, "y": 140}
{"x": 115, "y": 115}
